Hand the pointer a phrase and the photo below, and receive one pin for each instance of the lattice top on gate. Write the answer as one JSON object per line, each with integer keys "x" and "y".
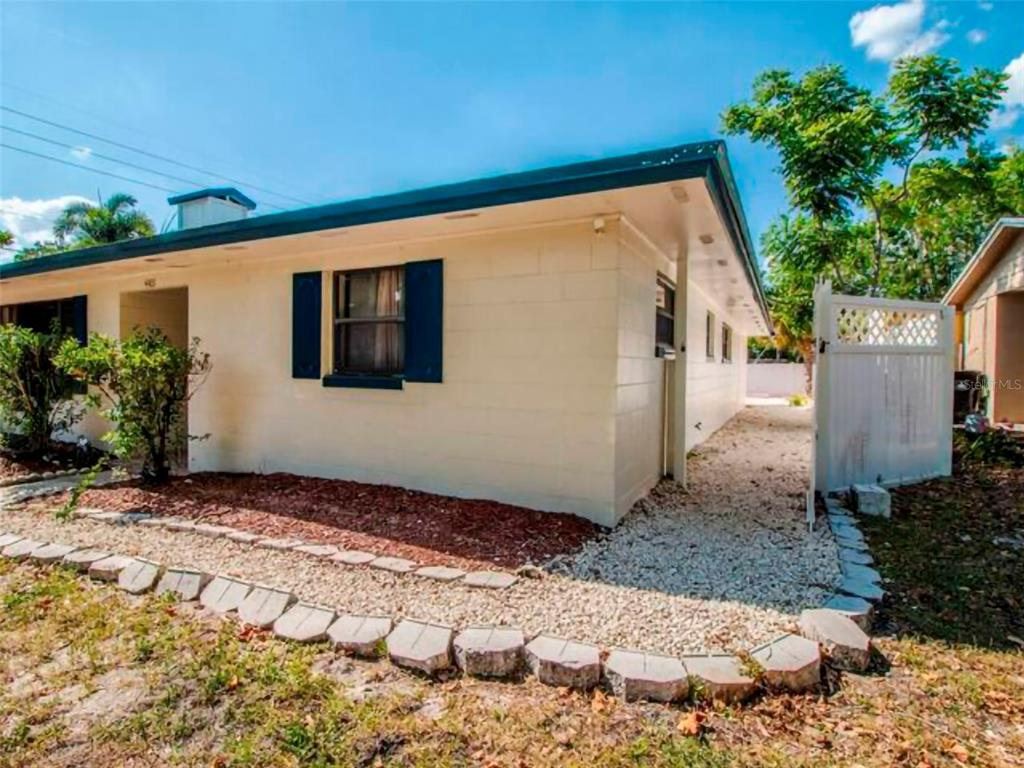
{"x": 889, "y": 327}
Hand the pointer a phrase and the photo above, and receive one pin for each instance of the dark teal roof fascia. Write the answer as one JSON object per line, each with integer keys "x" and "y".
{"x": 705, "y": 160}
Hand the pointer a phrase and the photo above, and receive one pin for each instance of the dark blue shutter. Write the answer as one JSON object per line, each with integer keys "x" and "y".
{"x": 424, "y": 320}
{"x": 307, "y": 299}
{"x": 80, "y": 318}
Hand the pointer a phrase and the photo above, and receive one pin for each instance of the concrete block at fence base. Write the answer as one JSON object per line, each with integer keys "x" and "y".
{"x": 857, "y": 609}
{"x": 361, "y": 635}
{"x": 186, "y": 584}
{"x": 489, "y": 651}
{"x": 849, "y": 648}
{"x": 139, "y": 576}
{"x": 264, "y": 605}
{"x": 304, "y": 623}
{"x": 421, "y": 646}
{"x": 791, "y": 663}
{"x": 872, "y": 500}
{"x": 720, "y": 678}
{"x": 224, "y": 594}
{"x": 636, "y": 675}
{"x": 564, "y": 663}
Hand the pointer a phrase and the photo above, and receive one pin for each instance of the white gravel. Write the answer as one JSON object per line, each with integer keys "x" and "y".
{"x": 724, "y": 566}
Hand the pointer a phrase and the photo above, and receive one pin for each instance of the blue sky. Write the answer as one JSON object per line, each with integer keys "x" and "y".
{"x": 326, "y": 101}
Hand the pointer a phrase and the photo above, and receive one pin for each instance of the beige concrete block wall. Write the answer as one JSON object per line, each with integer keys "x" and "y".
{"x": 1008, "y": 384}
{"x": 167, "y": 309}
{"x": 526, "y": 412}
{"x": 715, "y": 391}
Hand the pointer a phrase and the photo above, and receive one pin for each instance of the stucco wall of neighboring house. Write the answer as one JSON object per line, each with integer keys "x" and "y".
{"x": 715, "y": 390}
{"x": 1008, "y": 390}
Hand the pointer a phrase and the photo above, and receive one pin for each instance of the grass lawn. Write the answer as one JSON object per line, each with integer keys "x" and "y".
{"x": 92, "y": 677}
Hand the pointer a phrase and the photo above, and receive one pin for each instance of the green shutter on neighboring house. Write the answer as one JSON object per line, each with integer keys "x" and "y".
{"x": 307, "y": 300}
{"x": 80, "y": 318}
{"x": 424, "y": 320}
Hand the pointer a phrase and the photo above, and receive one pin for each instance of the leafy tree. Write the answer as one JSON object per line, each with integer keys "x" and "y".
{"x": 6, "y": 239}
{"x": 147, "y": 382}
{"x": 38, "y": 249}
{"x": 112, "y": 220}
{"x": 838, "y": 143}
{"x": 36, "y": 396}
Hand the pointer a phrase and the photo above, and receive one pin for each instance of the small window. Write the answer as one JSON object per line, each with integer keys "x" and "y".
{"x": 664, "y": 318}
{"x": 709, "y": 341}
{"x": 369, "y": 322}
{"x": 726, "y": 343}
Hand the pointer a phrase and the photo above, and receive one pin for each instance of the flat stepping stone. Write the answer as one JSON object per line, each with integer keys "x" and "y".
{"x": 81, "y": 559}
{"x": 845, "y": 543}
{"x": 393, "y": 564}
{"x": 440, "y": 573}
{"x": 790, "y": 663}
{"x": 634, "y": 675}
{"x": 361, "y": 635}
{"x": 243, "y": 537}
{"x": 9, "y": 538}
{"x": 87, "y": 511}
{"x": 872, "y": 500}
{"x": 490, "y": 579}
{"x": 720, "y": 677}
{"x": 421, "y": 646}
{"x": 836, "y": 506}
{"x": 847, "y": 645}
{"x": 490, "y": 651}
{"x": 108, "y": 517}
{"x": 304, "y": 623}
{"x": 51, "y": 553}
{"x": 857, "y": 608}
{"x": 855, "y": 556}
{"x": 184, "y": 583}
{"x": 264, "y": 605}
{"x": 21, "y": 549}
{"x": 860, "y": 572}
{"x": 139, "y": 576}
{"x": 224, "y": 594}
{"x": 109, "y": 568}
{"x": 353, "y": 557}
{"x": 213, "y": 531}
{"x": 564, "y": 663}
{"x": 843, "y": 527}
{"x": 318, "y": 550}
{"x": 867, "y": 590}
{"x": 280, "y": 544}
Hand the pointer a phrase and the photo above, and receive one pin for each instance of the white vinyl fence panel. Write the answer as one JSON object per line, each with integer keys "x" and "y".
{"x": 766, "y": 379}
{"x": 884, "y": 390}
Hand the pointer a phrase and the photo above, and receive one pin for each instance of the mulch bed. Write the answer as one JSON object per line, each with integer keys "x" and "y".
{"x": 58, "y": 457}
{"x": 427, "y": 528}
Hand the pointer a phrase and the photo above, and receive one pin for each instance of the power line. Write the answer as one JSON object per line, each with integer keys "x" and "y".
{"x": 119, "y": 161}
{"x": 86, "y": 168}
{"x": 153, "y": 155}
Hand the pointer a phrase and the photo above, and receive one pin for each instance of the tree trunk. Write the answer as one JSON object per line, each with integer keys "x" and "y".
{"x": 806, "y": 347}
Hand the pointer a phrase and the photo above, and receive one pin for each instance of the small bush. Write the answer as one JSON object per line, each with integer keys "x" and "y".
{"x": 993, "y": 448}
{"x": 798, "y": 400}
{"x": 36, "y": 395}
{"x": 147, "y": 382}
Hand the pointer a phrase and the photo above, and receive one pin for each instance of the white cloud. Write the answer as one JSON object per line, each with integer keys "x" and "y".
{"x": 82, "y": 153}
{"x": 888, "y": 32}
{"x": 1013, "y": 100}
{"x": 977, "y": 36}
{"x": 31, "y": 220}
{"x": 985, "y": 6}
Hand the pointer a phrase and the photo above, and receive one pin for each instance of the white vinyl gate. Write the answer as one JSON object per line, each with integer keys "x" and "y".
{"x": 883, "y": 389}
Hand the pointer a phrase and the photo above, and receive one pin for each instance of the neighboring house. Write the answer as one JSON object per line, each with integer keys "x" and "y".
{"x": 989, "y": 300}
{"x": 506, "y": 338}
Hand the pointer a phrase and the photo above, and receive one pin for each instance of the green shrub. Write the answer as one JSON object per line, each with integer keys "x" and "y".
{"x": 36, "y": 396}
{"x": 147, "y": 382}
{"x": 798, "y": 400}
{"x": 993, "y": 447}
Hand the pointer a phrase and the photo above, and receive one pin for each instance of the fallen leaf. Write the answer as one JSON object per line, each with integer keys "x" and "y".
{"x": 692, "y": 723}
{"x": 959, "y": 753}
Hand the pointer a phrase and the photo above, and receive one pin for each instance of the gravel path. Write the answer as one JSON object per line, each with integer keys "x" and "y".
{"x": 722, "y": 567}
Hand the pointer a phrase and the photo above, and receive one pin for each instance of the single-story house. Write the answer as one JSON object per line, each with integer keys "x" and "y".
{"x": 989, "y": 300}
{"x": 517, "y": 338}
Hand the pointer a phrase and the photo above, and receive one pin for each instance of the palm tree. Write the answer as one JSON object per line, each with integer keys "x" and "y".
{"x": 111, "y": 220}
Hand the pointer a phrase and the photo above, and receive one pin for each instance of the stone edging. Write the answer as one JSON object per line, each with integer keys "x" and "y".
{"x": 345, "y": 557}
{"x": 790, "y": 662}
{"x": 36, "y": 477}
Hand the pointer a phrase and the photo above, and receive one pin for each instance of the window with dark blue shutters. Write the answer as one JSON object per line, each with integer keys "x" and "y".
{"x": 70, "y": 315}
{"x": 369, "y": 322}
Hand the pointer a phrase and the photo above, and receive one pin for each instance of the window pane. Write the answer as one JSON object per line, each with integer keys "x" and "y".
{"x": 375, "y": 294}
{"x": 373, "y": 348}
